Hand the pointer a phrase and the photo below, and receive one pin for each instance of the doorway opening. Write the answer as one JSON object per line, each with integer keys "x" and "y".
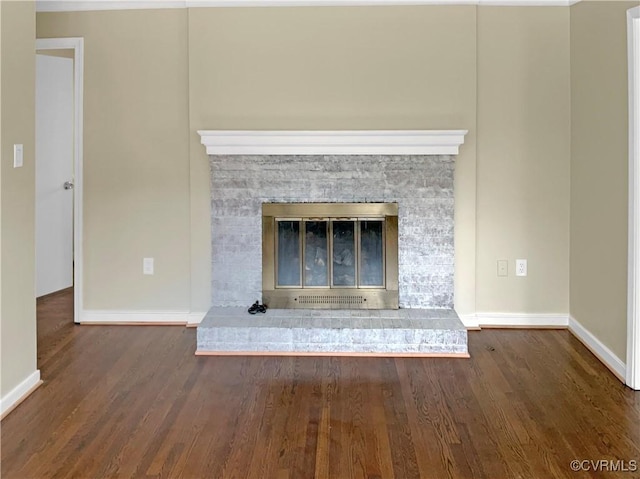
{"x": 59, "y": 180}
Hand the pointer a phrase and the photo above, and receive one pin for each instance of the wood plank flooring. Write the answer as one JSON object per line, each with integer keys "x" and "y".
{"x": 134, "y": 402}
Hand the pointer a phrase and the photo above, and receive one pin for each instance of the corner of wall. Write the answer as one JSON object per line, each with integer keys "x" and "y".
{"x": 599, "y": 171}
{"x": 17, "y": 203}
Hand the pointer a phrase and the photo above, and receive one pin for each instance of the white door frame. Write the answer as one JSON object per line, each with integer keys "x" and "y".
{"x": 77, "y": 45}
{"x": 633, "y": 296}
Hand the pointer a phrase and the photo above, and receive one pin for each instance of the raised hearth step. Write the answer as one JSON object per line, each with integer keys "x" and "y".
{"x": 414, "y": 332}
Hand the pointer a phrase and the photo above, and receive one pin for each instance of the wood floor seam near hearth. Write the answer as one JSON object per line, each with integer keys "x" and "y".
{"x": 330, "y": 354}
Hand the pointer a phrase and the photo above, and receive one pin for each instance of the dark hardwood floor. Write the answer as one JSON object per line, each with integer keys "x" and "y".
{"x": 134, "y": 402}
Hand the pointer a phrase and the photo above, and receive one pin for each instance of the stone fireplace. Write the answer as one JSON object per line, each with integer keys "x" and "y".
{"x": 323, "y": 200}
{"x": 411, "y": 169}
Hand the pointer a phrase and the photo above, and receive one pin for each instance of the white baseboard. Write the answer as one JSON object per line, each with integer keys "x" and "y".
{"x": 470, "y": 321}
{"x": 134, "y": 317}
{"x": 522, "y": 320}
{"x": 602, "y": 352}
{"x": 19, "y": 393}
{"x": 195, "y": 318}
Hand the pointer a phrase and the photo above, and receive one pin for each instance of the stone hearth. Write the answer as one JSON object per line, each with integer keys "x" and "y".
{"x": 412, "y": 169}
{"x": 417, "y": 332}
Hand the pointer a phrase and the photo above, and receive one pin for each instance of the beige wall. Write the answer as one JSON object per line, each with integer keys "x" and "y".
{"x": 136, "y": 161}
{"x": 523, "y": 158}
{"x": 337, "y": 68}
{"x": 599, "y": 170}
{"x": 18, "y": 314}
{"x": 420, "y": 67}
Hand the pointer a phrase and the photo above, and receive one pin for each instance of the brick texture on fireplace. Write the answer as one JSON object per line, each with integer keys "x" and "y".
{"x": 421, "y": 185}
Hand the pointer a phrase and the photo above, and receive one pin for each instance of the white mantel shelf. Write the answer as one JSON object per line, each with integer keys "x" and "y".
{"x": 361, "y": 142}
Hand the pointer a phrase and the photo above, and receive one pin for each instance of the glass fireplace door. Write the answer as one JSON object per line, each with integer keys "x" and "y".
{"x": 330, "y": 255}
{"x": 356, "y": 249}
{"x": 343, "y": 237}
{"x": 288, "y": 241}
{"x": 316, "y": 254}
{"x": 372, "y": 259}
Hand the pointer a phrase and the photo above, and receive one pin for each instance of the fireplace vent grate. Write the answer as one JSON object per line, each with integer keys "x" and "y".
{"x": 328, "y": 299}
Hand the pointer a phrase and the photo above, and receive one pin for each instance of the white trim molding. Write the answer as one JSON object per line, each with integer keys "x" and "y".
{"x": 18, "y": 394}
{"x": 515, "y": 320}
{"x": 135, "y": 317}
{"x": 94, "y": 5}
{"x": 633, "y": 293}
{"x": 97, "y": 5}
{"x": 522, "y": 320}
{"x": 364, "y": 142}
{"x": 77, "y": 45}
{"x": 602, "y": 352}
{"x": 195, "y": 318}
{"x": 470, "y": 321}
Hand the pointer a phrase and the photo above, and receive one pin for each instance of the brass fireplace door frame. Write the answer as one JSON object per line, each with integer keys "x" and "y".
{"x": 331, "y": 297}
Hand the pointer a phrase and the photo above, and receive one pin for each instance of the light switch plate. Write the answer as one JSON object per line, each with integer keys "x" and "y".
{"x": 503, "y": 267}
{"x": 18, "y": 153}
{"x": 147, "y": 265}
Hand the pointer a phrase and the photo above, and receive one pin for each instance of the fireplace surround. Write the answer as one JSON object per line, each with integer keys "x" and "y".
{"x": 412, "y": 169}
{"x": 267, "y": 183}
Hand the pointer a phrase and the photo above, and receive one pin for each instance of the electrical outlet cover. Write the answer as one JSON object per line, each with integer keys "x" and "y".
{"x": 521, "y": 267}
